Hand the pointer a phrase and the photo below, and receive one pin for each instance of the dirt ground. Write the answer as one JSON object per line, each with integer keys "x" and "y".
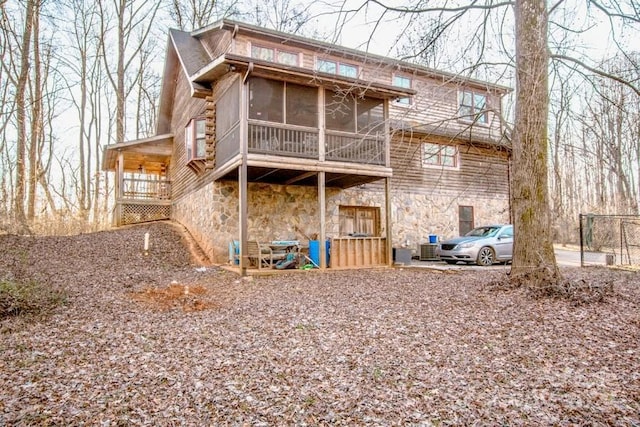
{"x": 161, "y": 339}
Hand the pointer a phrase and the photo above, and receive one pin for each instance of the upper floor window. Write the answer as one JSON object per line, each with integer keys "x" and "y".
{"x": 194, "y": 139}
{"x": 473, "y": 106}
{"x": 335, "y": 67}
{"x": 439, "y": 155}
{"x": 404, "y": 82}
{"x": 274, "y": 55}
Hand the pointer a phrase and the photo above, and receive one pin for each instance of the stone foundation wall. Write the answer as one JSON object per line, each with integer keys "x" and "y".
{"x": 211, "y": 216}
{"x": 291, "y": 213}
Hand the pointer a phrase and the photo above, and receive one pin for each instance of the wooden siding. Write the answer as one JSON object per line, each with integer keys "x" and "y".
{"x": 185, "y": 108}
{"x": 184, "y": 179}
{"x": 481, "y": 171}
{"x": 433, "y": 111}
{"x": 435, "y": 105}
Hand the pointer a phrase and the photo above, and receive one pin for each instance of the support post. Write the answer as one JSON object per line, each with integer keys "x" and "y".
{"x": 322, "y": 208}
{"x": 387, "y": 205}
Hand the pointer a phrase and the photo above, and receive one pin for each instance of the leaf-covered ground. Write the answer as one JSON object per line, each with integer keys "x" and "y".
{"x": 153, "y": 340}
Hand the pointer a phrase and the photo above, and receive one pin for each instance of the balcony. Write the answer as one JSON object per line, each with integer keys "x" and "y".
{"x": 290, "y": 132}
{"x": 286, "y": 154}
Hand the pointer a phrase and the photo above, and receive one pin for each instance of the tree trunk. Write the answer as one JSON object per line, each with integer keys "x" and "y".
{"x": 21, "y": 116}
{"x": 533, "y": 263}
{"x": 36, "y": 117}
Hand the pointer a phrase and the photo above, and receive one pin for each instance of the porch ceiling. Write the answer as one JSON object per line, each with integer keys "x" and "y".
{"x": 304, "y": 178}
{"x": 153, "y": 154}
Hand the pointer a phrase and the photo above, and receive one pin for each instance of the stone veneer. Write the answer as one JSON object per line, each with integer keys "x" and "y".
{"x": 279, "y": 212}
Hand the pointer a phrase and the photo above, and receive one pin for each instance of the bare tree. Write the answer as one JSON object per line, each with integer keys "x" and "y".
{"x": 21, "y": 81}
{"x": 192, "y": 14}
{"x": 534, "y": 260}
{"x": 132, "y": 27}
{"x": 610, "y": 124}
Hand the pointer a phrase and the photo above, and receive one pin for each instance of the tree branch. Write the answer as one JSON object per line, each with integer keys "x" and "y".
{"x": 473, "y": 5}
{"x": 594, "y": 70}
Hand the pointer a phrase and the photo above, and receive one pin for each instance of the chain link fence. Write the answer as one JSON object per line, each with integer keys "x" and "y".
{"x": 615, "y": 236}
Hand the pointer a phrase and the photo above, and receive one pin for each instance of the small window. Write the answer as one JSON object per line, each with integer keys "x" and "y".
{"x": 334, "y": 67}
{"x": 288, "y": 58}
{"x": 263, "y": 53}
{"x": 327, "y": 66}
{"x": 404, "y": 82}
{"x": 348, "y": 70}
{"x": 274, "y": 55}
{"x": 439, "y": 155}
{"x": 195, "y": 140}
{"x": 359, "y": 221}
{"x": 473, "y": 107}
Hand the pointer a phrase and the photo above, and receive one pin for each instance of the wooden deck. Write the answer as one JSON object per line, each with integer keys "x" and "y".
{"x": 142, "y": 200}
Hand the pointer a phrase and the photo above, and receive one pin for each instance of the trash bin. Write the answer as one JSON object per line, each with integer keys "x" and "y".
{"x": 433, "y": 238}
{"x": 314, "y": 251}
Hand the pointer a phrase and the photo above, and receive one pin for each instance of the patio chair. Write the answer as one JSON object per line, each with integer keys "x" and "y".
{"x": 260, "y": 254}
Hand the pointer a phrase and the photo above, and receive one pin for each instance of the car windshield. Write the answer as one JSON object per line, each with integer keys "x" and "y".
{"x": 483, "y": 232}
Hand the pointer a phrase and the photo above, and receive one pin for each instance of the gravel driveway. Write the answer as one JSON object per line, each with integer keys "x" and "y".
{"x": 154, "y": 340}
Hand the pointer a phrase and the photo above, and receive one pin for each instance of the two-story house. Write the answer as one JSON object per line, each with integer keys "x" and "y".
{"x": 266, "y": 136}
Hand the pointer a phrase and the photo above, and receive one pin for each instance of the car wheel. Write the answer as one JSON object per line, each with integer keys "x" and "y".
{"x": 486, "y": 257}
{"x": 451, "y": 261}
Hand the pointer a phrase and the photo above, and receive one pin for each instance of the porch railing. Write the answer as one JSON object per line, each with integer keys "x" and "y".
{"x": 355, "y": 148}
{"x": 295, "y": 141}
{"x": 283, "y": 140}
{"x": 146, "y": 189}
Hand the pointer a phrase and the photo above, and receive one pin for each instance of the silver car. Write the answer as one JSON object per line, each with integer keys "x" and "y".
{"x": 482, "y": 245}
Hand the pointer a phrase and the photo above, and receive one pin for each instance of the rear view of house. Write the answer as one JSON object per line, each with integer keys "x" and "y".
{"x": 265, "y": 136}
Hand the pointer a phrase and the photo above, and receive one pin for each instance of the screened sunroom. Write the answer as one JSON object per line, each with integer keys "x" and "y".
{"x": 288, "y": 131}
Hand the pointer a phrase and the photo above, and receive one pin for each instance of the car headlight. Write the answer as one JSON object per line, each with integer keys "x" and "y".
{"x": 466, "y": 245}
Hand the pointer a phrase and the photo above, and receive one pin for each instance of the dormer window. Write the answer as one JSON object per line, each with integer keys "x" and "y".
{"x": 194, "y": 139}
{"x": 473, "y": 107}
{"x": 335, "y": 67}
{"x": 274, "y": 55}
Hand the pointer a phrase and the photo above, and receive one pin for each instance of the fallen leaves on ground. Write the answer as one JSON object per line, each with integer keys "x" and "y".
{"x": 185, "y": 297}
{"x": 343, "y": 348}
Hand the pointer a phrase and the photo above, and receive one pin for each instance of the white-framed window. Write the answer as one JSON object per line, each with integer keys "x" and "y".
{"x": 335, "y": 67}
{"x": 473, "y": 107}
{"x": 404, "y": 82}
{"x": 440, "y": 155}
{"x": 275, "y": 55}
{"x": 195, "y": 140}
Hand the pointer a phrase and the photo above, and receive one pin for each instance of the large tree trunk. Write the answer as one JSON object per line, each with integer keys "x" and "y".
{"x": 533, "y": 263}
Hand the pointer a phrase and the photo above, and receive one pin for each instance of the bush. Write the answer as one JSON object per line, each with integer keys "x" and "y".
{"x": 27, "y": 298}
